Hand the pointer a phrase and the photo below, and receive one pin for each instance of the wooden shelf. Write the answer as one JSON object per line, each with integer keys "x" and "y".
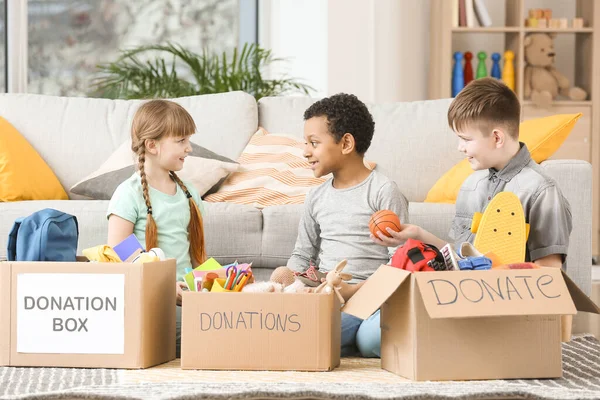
{"x": 561, "y": 103}
{"x": 490, "y": 29}
{"x": 517, "y": 29}
{"x": 556, "y": 30}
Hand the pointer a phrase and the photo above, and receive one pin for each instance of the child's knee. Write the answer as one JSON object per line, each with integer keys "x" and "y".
{"x": 368, "y": 337}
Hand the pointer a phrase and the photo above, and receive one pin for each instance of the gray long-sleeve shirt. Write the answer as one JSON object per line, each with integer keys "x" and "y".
{"x": 335, "y": 226}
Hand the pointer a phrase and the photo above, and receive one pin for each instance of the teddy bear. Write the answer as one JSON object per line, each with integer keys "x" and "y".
{"x": 542, "y": 81}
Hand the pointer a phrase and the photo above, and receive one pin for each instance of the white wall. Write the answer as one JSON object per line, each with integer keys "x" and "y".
{"x": 297, "y": 31}
{"x": 377, "y": 49}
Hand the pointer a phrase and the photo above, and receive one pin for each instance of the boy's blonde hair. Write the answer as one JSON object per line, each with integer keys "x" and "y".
{"x": 485, "y": 104}
{"x": 154, "y": 120}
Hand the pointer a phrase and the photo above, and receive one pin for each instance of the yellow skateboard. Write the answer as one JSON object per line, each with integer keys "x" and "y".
{"x": 501, "y": 229}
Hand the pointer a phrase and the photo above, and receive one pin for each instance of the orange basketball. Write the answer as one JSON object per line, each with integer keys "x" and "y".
{"x": 383, "y": 219}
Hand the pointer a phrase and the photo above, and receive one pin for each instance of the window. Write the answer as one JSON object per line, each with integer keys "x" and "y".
{"x": 68, "y": 38}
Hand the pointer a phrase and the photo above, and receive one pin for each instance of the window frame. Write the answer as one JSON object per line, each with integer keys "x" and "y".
{"x": 16, "y": 39}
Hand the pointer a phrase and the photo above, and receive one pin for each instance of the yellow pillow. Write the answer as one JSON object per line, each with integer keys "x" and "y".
{"x": 23, "y": 173}
{"x": 543, "y": 136}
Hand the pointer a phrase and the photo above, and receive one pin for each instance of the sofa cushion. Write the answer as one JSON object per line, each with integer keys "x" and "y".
{"x": 233, "y": 232}
{"x": 23, "y": 173}
{"x": 273, "y": 171}
{"x": 75, "y": 135}
{"x": 280, "y": 230}
{"x": 203, "y": 168}
{"x": 543, "y": 136}
{"x": 412, "y": 145}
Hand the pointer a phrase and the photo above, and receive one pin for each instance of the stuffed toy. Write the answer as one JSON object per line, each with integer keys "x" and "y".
{"x": 287, "y": 278}
{"x": 334, "y": 281}
{"x": 542, "y": 81}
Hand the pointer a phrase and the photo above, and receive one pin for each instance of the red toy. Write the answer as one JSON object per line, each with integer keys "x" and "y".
{"x": 414, "y": 255}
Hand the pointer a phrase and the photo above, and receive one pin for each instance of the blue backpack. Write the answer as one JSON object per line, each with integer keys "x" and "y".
{"x": 46, "y": 235}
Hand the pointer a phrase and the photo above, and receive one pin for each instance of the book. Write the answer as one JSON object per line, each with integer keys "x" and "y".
{"x": 471, "y": 22}
{"x": 483, "y": 16}
{"x": 462, "y": 13}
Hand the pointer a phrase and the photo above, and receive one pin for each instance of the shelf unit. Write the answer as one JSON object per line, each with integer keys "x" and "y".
{"x": 584, "y": 43}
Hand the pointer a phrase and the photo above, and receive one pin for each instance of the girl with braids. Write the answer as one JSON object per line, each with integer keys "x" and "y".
{"x": 154, "y": 203}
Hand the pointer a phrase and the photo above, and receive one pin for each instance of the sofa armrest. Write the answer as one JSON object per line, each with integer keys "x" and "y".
{"x": 574, "y": 177}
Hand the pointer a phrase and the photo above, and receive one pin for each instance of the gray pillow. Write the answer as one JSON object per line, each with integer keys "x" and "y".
{"x": 203, "y": 168}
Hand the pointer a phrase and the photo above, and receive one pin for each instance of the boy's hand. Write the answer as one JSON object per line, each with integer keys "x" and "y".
{"x": 181, "y": 286}
{"x": 408, "y": 232}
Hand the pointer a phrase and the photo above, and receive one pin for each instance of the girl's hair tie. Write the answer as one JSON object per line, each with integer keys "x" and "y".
{"x": 188, "y": 194}
{"x": 149, "y": 210}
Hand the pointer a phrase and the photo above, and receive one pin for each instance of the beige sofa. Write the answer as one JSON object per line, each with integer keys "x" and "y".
{"x": 412, "y": 145}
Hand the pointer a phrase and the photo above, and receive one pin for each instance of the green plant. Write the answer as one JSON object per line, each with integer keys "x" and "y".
{"x": 131, "y": 78}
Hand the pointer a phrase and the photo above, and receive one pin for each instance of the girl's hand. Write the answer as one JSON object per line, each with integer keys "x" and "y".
{"x": 408, "y": 232}
{"x": 181, "y": 286}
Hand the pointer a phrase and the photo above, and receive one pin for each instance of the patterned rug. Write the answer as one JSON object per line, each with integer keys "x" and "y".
{"x": 355, "y": 379}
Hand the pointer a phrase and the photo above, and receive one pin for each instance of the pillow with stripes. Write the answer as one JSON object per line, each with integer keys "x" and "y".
{"x": 273, "y": 171}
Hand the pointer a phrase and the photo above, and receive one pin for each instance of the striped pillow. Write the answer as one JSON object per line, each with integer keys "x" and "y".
{"x": 273, "y": 171}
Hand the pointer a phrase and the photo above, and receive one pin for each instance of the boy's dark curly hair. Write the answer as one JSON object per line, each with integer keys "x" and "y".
{"x": 345, "y": 114}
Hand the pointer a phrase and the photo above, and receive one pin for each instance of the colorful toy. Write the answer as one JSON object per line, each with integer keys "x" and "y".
{"x": 495, "y": 72}
{"x": 501, "y": 229}
{"x": 458, "y": 81}
{"x": 414, "y": 256}
{"x": 542, "y": 81}
{"x": 311, "y": 277}
{"x": 450, "y": 257}
{"x": 335, "y": 281}
{"x": 382, "y": 220}
{"x": 128, "y": 248}
{"x": 468, "y": 71}
{"x": 508, "y": 72}
{"x": 481, "y": 68}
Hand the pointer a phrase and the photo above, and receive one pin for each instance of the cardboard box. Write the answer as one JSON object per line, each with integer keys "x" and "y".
{"x": 76, "y": 314}
{"x": 470, "y": 324}
{"x": 260, "y": 331}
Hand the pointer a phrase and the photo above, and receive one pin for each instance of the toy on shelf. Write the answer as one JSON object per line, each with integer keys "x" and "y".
{"x": 383, "y": 219}
{"x": 458, "y": 80}
{"x": 495, "y": 72}
{"x": 501, "y": 229}
{"x": 468, "y": 71}
{"x": 481, "y": 68}
{"x": 542, "y": 81}
{"x": 508, "y": 72}
{"x": 542, "y": 18}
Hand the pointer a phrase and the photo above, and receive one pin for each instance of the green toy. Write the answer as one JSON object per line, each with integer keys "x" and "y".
{"x": 481, "y": 68}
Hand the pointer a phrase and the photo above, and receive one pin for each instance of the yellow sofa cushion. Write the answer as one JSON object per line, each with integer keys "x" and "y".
{"x": 23, "y": 173}
{"x": 543, "y": 136}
